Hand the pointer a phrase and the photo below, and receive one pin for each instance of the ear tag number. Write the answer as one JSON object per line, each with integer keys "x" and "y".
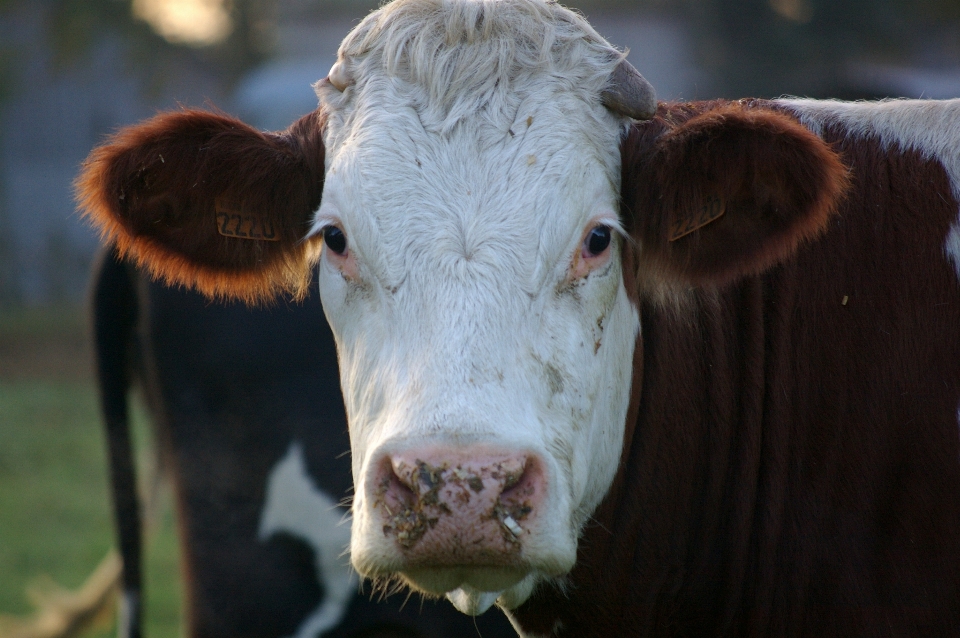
{"x": 712, "y": 210}
{"x": 232, "y": 222}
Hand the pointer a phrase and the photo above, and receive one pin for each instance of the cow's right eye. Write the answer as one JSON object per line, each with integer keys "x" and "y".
{"x": 335, "y": 240}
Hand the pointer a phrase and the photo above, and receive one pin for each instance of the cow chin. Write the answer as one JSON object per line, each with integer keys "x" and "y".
{"x": 474, "y": 590}
{"x": 473, "y": 587}
{"x": 474, "y": 602}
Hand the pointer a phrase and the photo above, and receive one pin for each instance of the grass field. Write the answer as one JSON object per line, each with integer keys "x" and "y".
{"x": 55, "y": 516}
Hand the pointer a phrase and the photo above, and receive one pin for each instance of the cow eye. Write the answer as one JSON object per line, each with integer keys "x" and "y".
{"x": 335, "y": 240}
{"x": 597, "y": 240}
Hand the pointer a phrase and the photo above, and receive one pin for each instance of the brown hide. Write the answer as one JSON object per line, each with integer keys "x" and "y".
{"x": 793, "y": 456}
{"x": 203, "y": 200}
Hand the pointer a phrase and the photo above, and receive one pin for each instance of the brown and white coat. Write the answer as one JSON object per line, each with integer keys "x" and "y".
{"x": 695, "y": 374}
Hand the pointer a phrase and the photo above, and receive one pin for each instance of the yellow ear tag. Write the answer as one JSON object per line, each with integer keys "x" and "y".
{"x": 232, "y": 222}
{"x": 712, "y": 210}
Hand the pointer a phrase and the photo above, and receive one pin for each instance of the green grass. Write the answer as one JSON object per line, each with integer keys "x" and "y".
{"x": 55, "y": 512}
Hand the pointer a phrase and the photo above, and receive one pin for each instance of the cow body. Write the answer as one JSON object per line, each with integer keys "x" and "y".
{"x": 248, "y": 415}
{"x": 693, "y": 374}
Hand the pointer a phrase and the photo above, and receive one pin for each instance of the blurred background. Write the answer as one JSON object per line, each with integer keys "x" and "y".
{"x": 73, "y": 71}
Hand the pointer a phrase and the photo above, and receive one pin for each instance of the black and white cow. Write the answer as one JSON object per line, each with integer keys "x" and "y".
{"x": 248, "y": 413}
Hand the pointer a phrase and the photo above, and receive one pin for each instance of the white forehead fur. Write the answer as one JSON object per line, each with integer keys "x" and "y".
{"x": 488, "y": 97}
{"x": 510, "y": 45}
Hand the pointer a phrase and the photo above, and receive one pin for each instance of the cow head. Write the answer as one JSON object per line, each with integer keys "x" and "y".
{"x": 476, "y": 236}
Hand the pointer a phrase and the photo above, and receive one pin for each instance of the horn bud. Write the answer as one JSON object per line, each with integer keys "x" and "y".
{"x": 338, "y": 76}
{"x": 628, "y": 93}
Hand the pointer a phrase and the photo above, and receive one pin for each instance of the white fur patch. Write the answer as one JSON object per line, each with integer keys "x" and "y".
{"x": 295, "y": 506}
{"x": 457, "y": 61}
{"x": 931, "y": 127}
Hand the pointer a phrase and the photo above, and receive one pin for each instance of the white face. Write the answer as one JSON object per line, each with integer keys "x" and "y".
{"x": 479, "y": 313}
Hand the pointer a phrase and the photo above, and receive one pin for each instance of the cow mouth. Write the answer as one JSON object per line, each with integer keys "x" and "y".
{"x": 442, "y": 580}
{"x": 478, "y": 588}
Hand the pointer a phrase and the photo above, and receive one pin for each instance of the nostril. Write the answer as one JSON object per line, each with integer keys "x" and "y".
{"x": 517, "y": 497}
{"x": 394, "y": 489}
{"x": 521, "y": 485}
{"x": 401, "y": 491}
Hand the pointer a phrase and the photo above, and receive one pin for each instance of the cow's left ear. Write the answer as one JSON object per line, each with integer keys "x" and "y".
{"x": 203, "y": 200}
{"x": 729, "y": 191}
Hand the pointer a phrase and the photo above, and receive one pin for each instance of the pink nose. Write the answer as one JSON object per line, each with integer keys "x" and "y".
{"x": 459, "y": 506}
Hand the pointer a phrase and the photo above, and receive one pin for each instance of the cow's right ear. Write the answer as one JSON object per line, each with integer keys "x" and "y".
{"x": 201, "y": 199}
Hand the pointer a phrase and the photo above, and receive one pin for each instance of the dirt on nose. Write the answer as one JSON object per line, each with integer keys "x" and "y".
{"x": 469, "y": 502}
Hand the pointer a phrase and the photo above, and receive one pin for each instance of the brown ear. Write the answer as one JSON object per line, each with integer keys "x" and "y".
{"x": 203, "y": 200}
{"x": 729, "y": 191}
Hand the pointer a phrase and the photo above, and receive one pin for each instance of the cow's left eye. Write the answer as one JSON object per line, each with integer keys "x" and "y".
{"x": 597, "y": 240}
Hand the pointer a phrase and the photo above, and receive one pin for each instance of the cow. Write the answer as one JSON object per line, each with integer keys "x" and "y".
{"x": 620, "y": 367}
{"x": 248, "y": 414}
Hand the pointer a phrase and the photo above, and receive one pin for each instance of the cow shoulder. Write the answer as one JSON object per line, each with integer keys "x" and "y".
{"x": 715, "y": 191}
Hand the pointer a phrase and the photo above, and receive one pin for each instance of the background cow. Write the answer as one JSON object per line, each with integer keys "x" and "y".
{"x": 697, "y": 374}
{"x": 247, "y": 411}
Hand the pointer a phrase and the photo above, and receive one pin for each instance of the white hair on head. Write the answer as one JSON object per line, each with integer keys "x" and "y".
{"x": 458, "y": 58}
